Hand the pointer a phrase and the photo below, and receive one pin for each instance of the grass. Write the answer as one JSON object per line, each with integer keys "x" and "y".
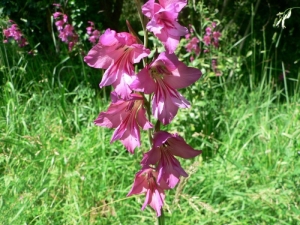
{"x": 56, "y": 167}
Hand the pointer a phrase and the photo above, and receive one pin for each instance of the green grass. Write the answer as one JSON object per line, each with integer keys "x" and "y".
{"x": 57, "y": 167}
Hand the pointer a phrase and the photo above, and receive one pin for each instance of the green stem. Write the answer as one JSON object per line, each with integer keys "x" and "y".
{"x": 138, "y": 5}
{"x": 161, "y": 219}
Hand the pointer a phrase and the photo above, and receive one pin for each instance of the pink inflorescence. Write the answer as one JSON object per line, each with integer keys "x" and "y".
{"x": 117, "y": 53}
{"x": 193, "y": 44}
{"x": 13, "y": 32}
{"x": 66, "y": 30}
{"x": 211, "y": 36}
{"x": 94, "y": 34}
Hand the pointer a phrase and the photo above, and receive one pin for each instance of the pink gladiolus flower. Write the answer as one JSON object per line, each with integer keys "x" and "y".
{"x": 127, "y": 116}
{"x": 163, "y": 21}
{"x": 163, "y": 76}
{"x": 145, "y": 182}
{"x": 116, "y": 52}
{"x": 165, "y": 147}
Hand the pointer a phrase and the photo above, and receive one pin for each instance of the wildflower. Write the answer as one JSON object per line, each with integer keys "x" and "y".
{"x": 208, "y": 31}
{"x": 116, "y": 52}
{"x": 163, "y": 21}
{"x": 165, "y": 147}
{"x": 13, "y": 32}
{"x": 66, "y": 31}
{"x": 206, "y": 40}
{"x": 162, "y": 77}
{"x": 56, "y": 15}
{"x": 216, "y": 35}
{"x": 193, "y": 46}
{"x": 127, "y": 116}
{"x": 93, "y": 33}
{"x": 145, "y": 182}
{"x": 211, "y": 36}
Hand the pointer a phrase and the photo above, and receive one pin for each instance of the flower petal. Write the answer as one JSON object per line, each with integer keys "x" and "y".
{"x": 180, "y": 148}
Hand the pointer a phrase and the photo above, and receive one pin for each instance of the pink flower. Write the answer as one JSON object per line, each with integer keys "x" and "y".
{"x": 127, "y": 116}
{"x": 13, "y": 32}
{"x": 145, "y": 182}
{"x": 56, "y": 15}
{"x": 193, "y": 46}
{"x": 162, "y": 77}
{"x": 208, "y": 31}
{"x": 93, "y": 33}
{"x": 116, "y": 52}
{"x": 163, "y": 21}
{"x": 59, "y": 24}
{"x": 66, "y": 31}
{"x": 206, "y": 40}
{"x": 165, "y": 147}
{"x": 65, "y": 18}
{"x": 216, "y": 35}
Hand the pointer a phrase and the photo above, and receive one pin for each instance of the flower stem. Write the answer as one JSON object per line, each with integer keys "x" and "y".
{"x": 161, "y": 219}
{"x": 138, "y": 5}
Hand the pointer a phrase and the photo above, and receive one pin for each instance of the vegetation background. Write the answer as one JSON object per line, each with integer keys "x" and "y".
{"x": 56, "y": 167}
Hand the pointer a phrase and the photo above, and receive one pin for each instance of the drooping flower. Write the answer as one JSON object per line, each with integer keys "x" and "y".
{"x": 163, "y": 21}
{"x": 145, "y": 182}
{"x": 127, "y": 116}
{"x": 162, "y": 77}
{"x": 116, "y": 52}
{"x": 165, "y": 147}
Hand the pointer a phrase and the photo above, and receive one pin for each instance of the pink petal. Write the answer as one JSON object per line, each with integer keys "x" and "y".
{"x": 142, "y": 120}
{"x": 169, "y": 169}
{"x": 166, "y": 102}
{"x": 177, "y": 4}
{"x": 139, "y": 52}
{"x": 140, "y": 184}
{"x": 148, "y": 8}
{"x": 108, "y": 38}
{"x": 180, "y": 148}
{"x": 160, "y": 138}
{"x": 113, "y": 116}
{"x": 155, "y": 199}
{"x": 170, "y": 61}
{"x": 183, "y": 76}
{"x": 121, "y": 85}
{"x": 97, "y": 57}
{"x": 151, "y": 157}
{"x": 143, "y": 82}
